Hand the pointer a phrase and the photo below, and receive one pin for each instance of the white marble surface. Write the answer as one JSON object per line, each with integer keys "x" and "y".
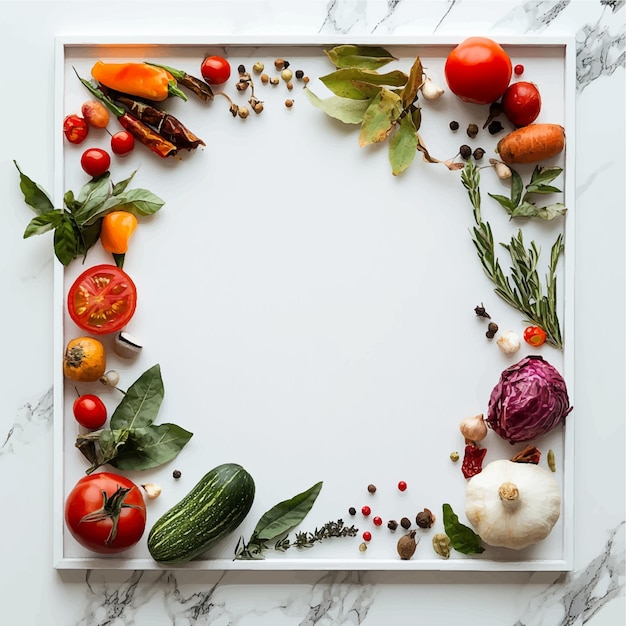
{"x": 32, "y": 592}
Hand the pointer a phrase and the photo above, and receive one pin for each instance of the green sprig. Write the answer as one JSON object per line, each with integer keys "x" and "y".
{"x": 524, "y": 289}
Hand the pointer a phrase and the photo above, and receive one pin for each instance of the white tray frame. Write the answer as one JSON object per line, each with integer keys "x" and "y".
{"x": 61, "y": 562}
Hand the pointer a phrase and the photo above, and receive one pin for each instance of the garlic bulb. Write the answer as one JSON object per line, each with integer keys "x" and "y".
{"x": 473, "y": 428}
{"x": 430, "y": 90}
{"x": 509, "y": 342}
{"x": 512, "y": 505}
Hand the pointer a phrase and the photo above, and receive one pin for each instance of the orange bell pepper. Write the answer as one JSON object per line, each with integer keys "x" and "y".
{"x": 117, "y": 229}
{"x": 137, "y": 79}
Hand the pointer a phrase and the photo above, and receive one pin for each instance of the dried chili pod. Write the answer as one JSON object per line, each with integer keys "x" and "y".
{"x": 165, "y": 124}
{"x": 473, "y": 460}
{"x": 530, "y": 454}
{"x": 196, "y": 85}
{"x": 140, "y": 131}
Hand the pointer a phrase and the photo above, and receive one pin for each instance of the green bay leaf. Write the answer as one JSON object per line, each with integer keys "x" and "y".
{"x": 346, "y": 110}
{"x": 364, "y": 57}
{"x": 341, "y": 82}
{"x": 141, "y": 402}
{"x": 403, "y": 146}
{"x": 379, "y": 118}
{"x": 416, "y": 77}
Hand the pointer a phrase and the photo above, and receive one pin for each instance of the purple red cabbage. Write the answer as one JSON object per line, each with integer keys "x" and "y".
{"x": 529, "y": 401}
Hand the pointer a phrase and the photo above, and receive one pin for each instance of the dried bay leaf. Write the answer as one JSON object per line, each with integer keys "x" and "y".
{"x": 364, "y": 57}
{"x": 380, "y": 118}
{"x": 341, "y": 82}
{"x": 346, "y": 110}
{"x": 403, "y": 146}
{"x": 416, "y": 78}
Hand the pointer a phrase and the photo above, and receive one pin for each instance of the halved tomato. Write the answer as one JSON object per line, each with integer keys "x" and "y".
{"x": 102, "y": 299}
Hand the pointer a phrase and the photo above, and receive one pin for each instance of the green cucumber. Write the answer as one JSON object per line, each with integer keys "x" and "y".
{"x": 210, "y": 511}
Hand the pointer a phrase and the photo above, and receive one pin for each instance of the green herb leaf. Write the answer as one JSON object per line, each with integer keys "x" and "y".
{"x": 138, "y": 201}
{"x": 544, "y": 175}
{"x": 66, "y": 243}
{"x": 150, "y": 446}
{"x": 416, "y": 78}
{"x": 364, "y": 57}
{"x": 517, "y": 188}
{"x": 89, "y": 235}
{"x": 91, "y": 197}
{"x": 121, "y": 186}
{"x": 43, "y": 223}
{"x": 34, "y": 195}
{"x": 505, "y": 202}
{"x": 346, "y": 110}
{"x": 286, "y": 515}
{"x": 528, "y": 209}
{"x": 141, "y": 402}
{"x": 403, "y": 146}
{"x": 462, "y": 538}
{"x": 379, "y": 118}
{"x": 340, "y": 81}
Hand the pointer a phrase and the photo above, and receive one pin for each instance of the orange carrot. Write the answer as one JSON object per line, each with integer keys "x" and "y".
{"x": 532, "y": 143}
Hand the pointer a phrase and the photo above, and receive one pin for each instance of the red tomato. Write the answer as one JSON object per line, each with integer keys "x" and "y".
{"x": 75, "y": 128}
{"x": 215, "y": 70}
{"x": 535, "y": 335}
{"x": 478, "y": 70}
{"x": 95, "y": 161}
{"x": 90, "y": 411}
{"x": 521, "y": 103}
{"x": 105, "y": 513}
{"x": 122, "y": 143}
{"x": 102, "y": 299}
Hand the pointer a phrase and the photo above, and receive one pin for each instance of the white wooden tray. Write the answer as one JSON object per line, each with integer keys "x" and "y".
{"x": 313, "y": 314}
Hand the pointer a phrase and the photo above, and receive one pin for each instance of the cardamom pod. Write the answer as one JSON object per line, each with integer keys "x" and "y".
{"x": 407, "y": 546}
{"x": 441, "y": 545}
{"x": 551, "y": 461}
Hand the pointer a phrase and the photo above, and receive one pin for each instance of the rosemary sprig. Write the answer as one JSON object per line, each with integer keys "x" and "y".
{"x": 524, "y": 290}
{"x": 255, "y": 548}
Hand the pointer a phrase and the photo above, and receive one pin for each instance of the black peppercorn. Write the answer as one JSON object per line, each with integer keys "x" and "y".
{"x": 241, "y": 69}
{"x": 299, "y": 74}
{"x": 454, "y": 125}
{"x": 465, "y": 151}
{"x": 405, "y": 522}
{"x": 478, "y": 154}
{"x": 176, "y": 474}
{"x": 494, "y": 127}
{"x": 392, "y": 524}
{"x": 472, "y": 130}
{"x": 352, "y": 510}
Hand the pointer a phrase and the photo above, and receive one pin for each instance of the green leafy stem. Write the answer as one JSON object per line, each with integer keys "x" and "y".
{"x": 133, "y": 441}
{"x": 77, "y": 226}
{"x": 524, "y": 289}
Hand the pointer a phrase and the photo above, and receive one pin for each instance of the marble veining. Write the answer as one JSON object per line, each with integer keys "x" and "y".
{"x": 31, "y": 421}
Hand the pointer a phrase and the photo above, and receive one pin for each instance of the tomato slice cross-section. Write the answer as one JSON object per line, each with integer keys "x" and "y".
{"x": 102, "y": 299}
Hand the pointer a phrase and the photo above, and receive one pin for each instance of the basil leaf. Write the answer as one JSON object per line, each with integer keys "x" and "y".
{"x": 43, "y": 223}
{"x": 93, "y": 198}
{"x": 403, "y": 146}
{"x": 121, "y": 186}
{"x": 89, "y": 235}
{"x": 150, "y": 446}
{"x": 141, "y": 402}
{"x": 284, "y": 516}
{"x": 462, "y": 538}
{"x": 65, "y": 241}
{"x": 138, "y": 201}
{"x": 364, "y": 57}
{"x": 345, "y": 110}
{"x": 34, "y": 195}
{"x": 88, "y": 188}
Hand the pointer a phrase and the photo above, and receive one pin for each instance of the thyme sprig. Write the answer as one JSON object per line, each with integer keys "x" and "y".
{"x": 524, "y": 289}
{"x": 256, "y": 547}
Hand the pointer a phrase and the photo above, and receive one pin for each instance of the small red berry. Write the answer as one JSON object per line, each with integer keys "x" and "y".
{"x": 402, "y": 486}
{"x": 366, "y": 510}
{"x": 518, "y": 69}
{"x": 378, "y": 521}
{"x": 367, "y": 536}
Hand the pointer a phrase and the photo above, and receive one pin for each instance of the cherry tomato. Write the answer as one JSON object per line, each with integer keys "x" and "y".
{"x": 95, "y": 113}
{"x": 215, "y": 70}
{"x": 95, "y": 161}
{"x": 535, "y": 335}
{"x": 521, "y": 103}
{"x": 90, "y": 411}
{"x": 122, "y": 143}
{"x": 105, "y": 513}
{"x": 75, "y": 128}
{"x": 102, "y": 299}
{"x": 478, "y": 70}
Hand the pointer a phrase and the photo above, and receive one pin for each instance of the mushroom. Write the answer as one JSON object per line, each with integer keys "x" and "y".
{"x": 512, "y": 505}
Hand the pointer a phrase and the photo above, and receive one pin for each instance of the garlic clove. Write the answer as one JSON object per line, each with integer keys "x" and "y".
{"x": 430, "y": 90}
{"x": 509, "y": 342}
{"x": 503, "y": 171}
{"x": 110, "y": 378}
{"x": 152, "y": 490}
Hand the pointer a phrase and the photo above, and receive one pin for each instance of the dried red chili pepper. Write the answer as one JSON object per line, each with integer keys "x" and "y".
{"x": 473, "y": 460}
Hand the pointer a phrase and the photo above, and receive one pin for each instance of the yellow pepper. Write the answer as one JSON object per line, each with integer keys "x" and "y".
{"x": 117, "y": 229}
{"x": 137, "y": 79}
